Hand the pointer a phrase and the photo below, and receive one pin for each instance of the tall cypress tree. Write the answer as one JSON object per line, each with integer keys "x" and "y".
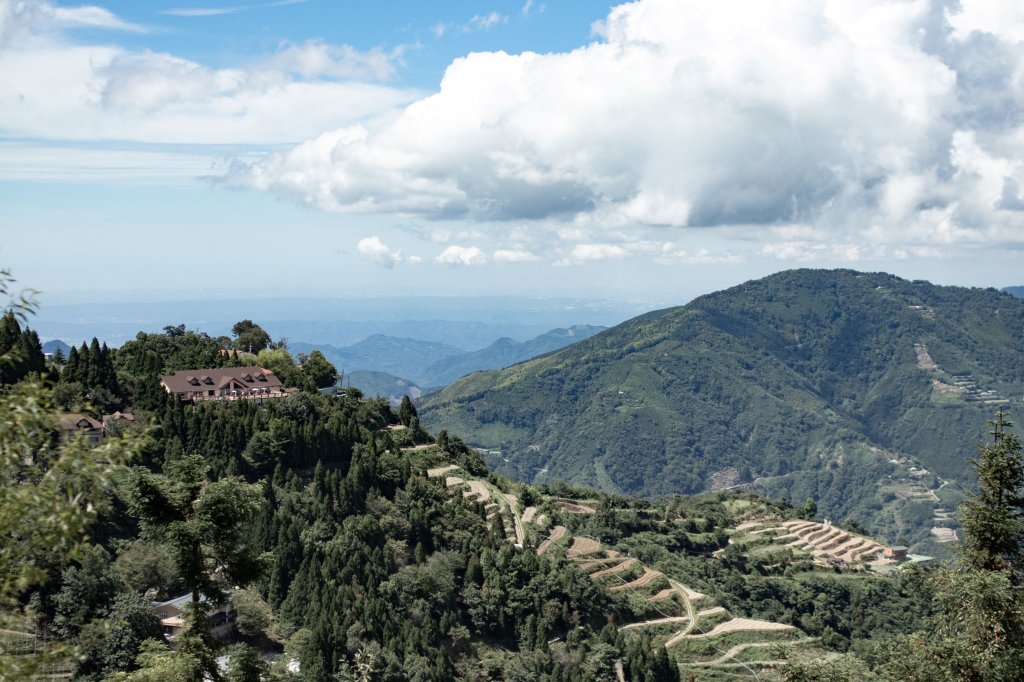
{"x": 993, "y": 519}
{"x": 978, "y": 632}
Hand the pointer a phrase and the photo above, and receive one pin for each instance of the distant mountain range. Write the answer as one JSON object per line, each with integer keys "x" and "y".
{"x": 859, "y": 390}
{"x": 503, "y": 353}
{"x": 1015, "y": 291}
{"x": 431, "y": 365}
{"x": 379, "y": 353}
{"x": 469, "y": 323}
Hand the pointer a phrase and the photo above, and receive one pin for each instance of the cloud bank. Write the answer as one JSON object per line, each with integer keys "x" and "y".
{"x": 885, "y": 121}
{"x": 53, "y": 87}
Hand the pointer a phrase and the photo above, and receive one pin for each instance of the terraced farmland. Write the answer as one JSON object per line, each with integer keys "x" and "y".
{"x": 702, "y": 637}
{"x": 819, "y": 541}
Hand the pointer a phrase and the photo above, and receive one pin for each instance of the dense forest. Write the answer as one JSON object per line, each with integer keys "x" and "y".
{"x": 351, "y": 544}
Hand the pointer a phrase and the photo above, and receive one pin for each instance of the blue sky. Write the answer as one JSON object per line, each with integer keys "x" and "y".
{"x": 654, "y": 150}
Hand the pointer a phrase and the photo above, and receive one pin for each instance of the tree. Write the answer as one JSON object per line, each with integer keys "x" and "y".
{"x": 978, "y": 630}
{"x": 406, "y": 411}
{"x": 250, "y": 337}
{"x": 112, "y": 645}
{"x": 200, "y": 521}
{"x": 280, "y": 362}
{"x": 320, "y": 372}
{"x": 993, "y": 519}
{"x": 50, "y": 494}
{"x": 202, "y": 524}
{"x": 253, "y": 616}
{"x": 246, "y": 665}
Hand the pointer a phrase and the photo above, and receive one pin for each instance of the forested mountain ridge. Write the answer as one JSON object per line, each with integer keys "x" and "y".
{"x": 809, "y": 382}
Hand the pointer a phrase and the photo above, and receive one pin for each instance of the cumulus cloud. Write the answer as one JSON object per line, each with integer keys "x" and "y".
{"x": 52, "y": 87}
{"x": 316, "y": 59}
{"x": 461, "y": 255}
{"x": 380, "y": 253}
{"x": 583, "y": 253}
{"x": 881, "y": 120}
{"x": 515, "y": 256}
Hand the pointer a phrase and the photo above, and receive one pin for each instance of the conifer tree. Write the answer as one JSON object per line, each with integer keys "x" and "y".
{"x": 978, "y": 630}
{"x": 993, "y": 519}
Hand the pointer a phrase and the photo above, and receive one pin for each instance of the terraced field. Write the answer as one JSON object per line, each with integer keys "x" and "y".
{"x": 681, "y": 616}
{"x": 704, "y": 639}
{"x": 817, "y": 540}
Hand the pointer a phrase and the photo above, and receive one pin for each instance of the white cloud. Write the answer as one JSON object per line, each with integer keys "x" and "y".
{"x": 1000, "y": 18}
{"x": 461, "y": 255}
{"x": 217, "y": 11}
{"x": 670, "y": 255}
{"x": 515, "y": 256}
{"x": 19, "y": 18}
{"x": 484, "y": 22}
{"x": 381, "y": 254}
{"x": 867, "y": 121}
{"x": 54, "y": 88}
{"x": 24, "y": 161}
{"x": 583, "y": 253}
{"x": 316, "y": 59}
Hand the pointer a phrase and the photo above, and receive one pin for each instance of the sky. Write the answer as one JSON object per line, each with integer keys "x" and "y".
{"x": 652, "y": 150}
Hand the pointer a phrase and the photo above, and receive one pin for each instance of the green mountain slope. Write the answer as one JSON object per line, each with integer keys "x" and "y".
{"x": 808, "y": 382}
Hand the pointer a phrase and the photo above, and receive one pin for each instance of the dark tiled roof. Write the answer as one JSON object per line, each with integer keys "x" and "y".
{"x": 215, "y": 379}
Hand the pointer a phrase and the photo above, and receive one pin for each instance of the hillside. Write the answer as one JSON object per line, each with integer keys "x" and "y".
{"x": 502, "y": 353}
{"x": 863, "y": 391}
{"x": 1015, "y": 291}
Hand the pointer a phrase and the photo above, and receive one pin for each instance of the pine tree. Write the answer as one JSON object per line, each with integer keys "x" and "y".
{"x": 978, "y": 632}
{"x": 993, "y": 519}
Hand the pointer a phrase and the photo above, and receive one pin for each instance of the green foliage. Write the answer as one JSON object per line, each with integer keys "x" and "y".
{"x": 253, "y": 616}
{"x": 20, "y": 349}
{"x": 250, "y": 337}
{"x": 111, "y": 643}
{"x": 317, "y": 370}
{"x": 200, "y": 521}
{"x": 993, "y": 519}
{"x": 50, "y": 495}
{"x": 281, "y": 363}
{"x": 977, "y": 632}
{"x": 148, "y": 567}
{"x": 246, "y": 665}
